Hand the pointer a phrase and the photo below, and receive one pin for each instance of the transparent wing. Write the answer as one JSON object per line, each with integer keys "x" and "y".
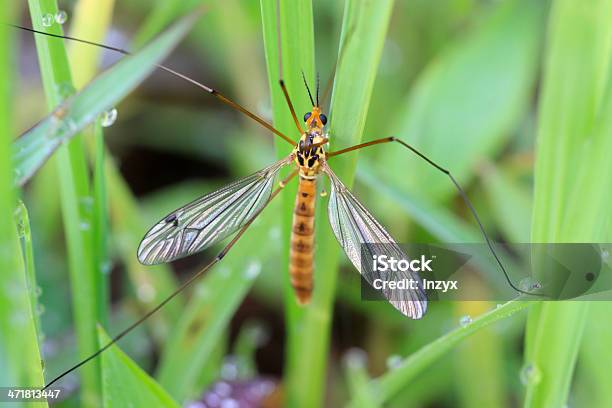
{"x": 360, "y": 234}
{"x": 208, "y": 219}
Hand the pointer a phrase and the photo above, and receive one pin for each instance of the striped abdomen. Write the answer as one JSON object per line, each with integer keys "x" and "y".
{"x": 302, "y": 240}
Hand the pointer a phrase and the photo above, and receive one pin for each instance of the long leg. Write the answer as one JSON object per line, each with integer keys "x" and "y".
{"x": 208, "y": 89}
{"x": 459, "y": 189}
{"x": 185, "y": 284}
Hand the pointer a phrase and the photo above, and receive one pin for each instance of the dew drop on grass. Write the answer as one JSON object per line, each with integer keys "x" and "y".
{"x": 355, "y": 358}
{"x": 37, "y": 291}
{"x": 465, "y": 320}
{"x": 47, "y": 20}
{"x": 530, "y": 374}
{"x": 528, "y": 284}
{"x": 40, "y": 309}
{"x": 393, "y": 361}
{"x": 108, "y": 118}
{"x": 252, "y": 270}
{"x": 61, "y": 16}
{"x": 229, "y": 369}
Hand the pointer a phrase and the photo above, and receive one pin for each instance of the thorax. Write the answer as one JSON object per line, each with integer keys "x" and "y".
{"x": 309, "y": 153}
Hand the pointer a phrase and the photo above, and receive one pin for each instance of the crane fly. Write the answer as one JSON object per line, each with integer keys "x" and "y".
{"x": 231, "y": 209}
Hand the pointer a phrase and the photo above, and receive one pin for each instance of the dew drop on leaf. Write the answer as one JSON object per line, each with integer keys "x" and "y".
{"x": 530, "y": 374}
{"x": 465, "y": 320}
{"x": 108, "y": 118}
{"x": 61, "y": 16}
{"x": 47, "y": 20}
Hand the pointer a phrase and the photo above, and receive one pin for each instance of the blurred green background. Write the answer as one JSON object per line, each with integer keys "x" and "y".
{"x": 475, "y": 85}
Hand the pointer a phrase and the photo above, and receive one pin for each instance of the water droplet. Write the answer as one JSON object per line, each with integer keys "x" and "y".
{"x": 84, "y": 225}
{"x": 252, "y": 270}
{"x": 40, "y": 309}
{"x": 87, "y": 203}
{"x": 605, "y": 255}
{"x": 108, "y": 118}
{"x": 229, "y": 403}
{"x": 465, "y": 320}
{"x": 47, "y": 20}
{"x": 355, "y": 358}
{"x": 37, "y": 291}
{"x": 528, "y": 284}
{"x": 61, "y": 16}
{"x": 212, "y": 400}
{"x": 223, "y": 389}
{"x": 394, "y": 361}
{"x": 274, "y": 233}
{"x": 229, "y": 369}
{"x": 146, "y": 292}
{"x": 530, "y": 374}
{"x": 106, "y": 267}
{"x": 497, "y": 306}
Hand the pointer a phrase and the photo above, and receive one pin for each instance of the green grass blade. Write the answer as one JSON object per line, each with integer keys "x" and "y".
{"x": 367, "y": 23}
{"x": 573, "y": 179}
{"x": 74, "y": 192}
{"x": 390, "y": 383}
{"x": 125, "y": 384}
{"x": 19, "y": 350}
{"x": 25, "y": 232}
{"x": 34, "y": 147}
{"x": 469, "y": 99}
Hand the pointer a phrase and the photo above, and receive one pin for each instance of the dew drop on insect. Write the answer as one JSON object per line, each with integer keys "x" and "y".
{"x": 605, "y": 255}
{"x": 108, "y": 118}
{"x": 355, "y": 358}
{"x": 530, "y": 374}
{"x": 393, "y": 361}
{"x": 61, "y": 16}
{"x": 47, "y": 20}
{"x": 465, "y": 320}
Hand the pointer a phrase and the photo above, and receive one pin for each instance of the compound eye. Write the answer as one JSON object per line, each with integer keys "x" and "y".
{"x": 323, "y": 119}
{"x": 307, "y": 116}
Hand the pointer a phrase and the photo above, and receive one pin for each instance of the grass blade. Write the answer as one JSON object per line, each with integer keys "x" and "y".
{"x": 125, "y": 384}
{"x": 562, "y": 190}
{"x": 76, "y": 203}
{"x": 34, "y": 147}
{"x": 19, "y": 350}
{"x": 387, "y": 385}
{"x": 367, "y": 24}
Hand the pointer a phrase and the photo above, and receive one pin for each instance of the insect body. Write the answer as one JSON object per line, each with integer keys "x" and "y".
{"x": 309, "y": 155}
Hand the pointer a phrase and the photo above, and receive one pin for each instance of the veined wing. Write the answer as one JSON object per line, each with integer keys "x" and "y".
{"x": 208, "y": 219}
{"x": 360, "y": 234}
